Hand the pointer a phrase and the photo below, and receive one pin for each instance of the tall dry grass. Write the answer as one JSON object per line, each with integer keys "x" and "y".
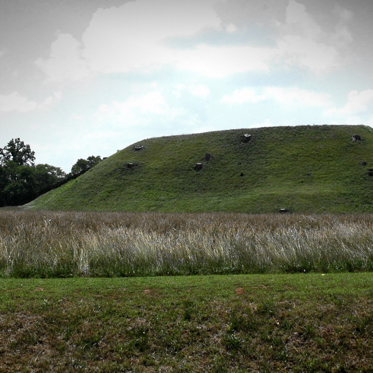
{"x": 62, "y": 244}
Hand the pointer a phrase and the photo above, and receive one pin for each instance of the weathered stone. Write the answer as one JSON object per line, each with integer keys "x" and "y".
{"x": 198, "y": 166}
{"x": 284, "y": 211}
{"x": 139, "y": 147}
{"x": 246, "y": 137}
{"x": 370, "y": 172}
{"x": 242, "y": 174}
{"x": 131, "y": 165}
{"x": 356, "y": 138}
{"x": 363, "y": 163}
{"x": 207, "y": 157}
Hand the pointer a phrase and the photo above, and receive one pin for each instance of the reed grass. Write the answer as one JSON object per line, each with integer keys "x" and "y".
{"x": 99, "y": 244}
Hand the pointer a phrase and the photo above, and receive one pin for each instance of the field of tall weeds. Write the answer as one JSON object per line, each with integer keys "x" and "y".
{"x": 67, "y": 244}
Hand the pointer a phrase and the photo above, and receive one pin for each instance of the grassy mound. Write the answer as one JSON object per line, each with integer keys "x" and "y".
{"x": 303, "y": 169}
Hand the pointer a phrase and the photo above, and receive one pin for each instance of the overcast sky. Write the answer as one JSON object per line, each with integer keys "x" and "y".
{"x": 90, "y": 77}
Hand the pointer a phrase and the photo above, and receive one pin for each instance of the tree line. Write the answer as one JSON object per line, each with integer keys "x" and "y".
{"x": 21, "y": 180}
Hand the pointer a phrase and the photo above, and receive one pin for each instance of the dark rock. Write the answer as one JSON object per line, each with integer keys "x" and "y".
{"x": 284, "y": 211}
{"x": 356, "y": 138}
{"x": 131, "y": 165}
{"x": 139, "y": 147}
{"x": 363, "y": 163}
{"x": 207, "y": 157}
{"x": 309, "y": 174}
{"x": 370, "y": 172}
{"x": 242, "y": 174}
{"x": 246, "y": 137}
{"x": 198, "y": 166}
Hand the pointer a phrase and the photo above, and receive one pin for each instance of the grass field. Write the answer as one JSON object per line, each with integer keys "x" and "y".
{"x": 233, "y": 323}
{"x": 319, "y": 320}
{"x": 88, "y": 244}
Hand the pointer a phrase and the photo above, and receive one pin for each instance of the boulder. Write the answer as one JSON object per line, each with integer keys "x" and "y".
{"x": 198, "y": 166}
{"x": 284, "y": 211}
{"x": 356, "y": 138}
{"x": 138, "y": 147}
{"x": 246, "y": 137}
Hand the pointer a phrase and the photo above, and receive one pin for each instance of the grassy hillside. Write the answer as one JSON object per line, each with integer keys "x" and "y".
{"x": 304, "y": 169}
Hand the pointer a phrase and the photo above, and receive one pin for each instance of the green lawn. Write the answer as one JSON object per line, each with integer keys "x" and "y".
{"x": 256, "y": 323}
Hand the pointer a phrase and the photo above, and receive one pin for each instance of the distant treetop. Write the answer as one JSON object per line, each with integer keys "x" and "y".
{"x": 85, "y": 164}
{"x": 17, "y": 151}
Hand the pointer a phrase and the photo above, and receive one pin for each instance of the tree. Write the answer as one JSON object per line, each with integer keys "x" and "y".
{"x": 47, "y": 175}
{"x": 18, "y": 152}
{"x": 20, "y": 180}
{"x": 22, "y": 185}
{"x": 85, "y": 164}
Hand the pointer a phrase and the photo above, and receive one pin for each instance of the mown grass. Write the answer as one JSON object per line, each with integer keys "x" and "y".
{"x": 243, "y": 323}
{"x": 88, "y": 244}
{"x": 313, "y": 169}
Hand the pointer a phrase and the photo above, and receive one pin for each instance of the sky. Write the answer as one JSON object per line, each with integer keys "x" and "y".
{"x": 91, "y": 77}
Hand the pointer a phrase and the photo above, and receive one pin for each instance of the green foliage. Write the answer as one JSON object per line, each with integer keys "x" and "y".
{"x": 20, "y": 179}
{"x": 22, "y": 183}
{"x": 83, "y": 165}
{"x": 48, "y": 175}
{"x": 304, "y": 169}
{"x": 18, "y": 152}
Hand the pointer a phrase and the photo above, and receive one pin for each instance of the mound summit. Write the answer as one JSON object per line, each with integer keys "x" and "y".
{"x": 313, "y": 169}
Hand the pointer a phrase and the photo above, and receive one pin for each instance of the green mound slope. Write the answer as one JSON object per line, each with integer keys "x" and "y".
{"x": 303, "y": 169}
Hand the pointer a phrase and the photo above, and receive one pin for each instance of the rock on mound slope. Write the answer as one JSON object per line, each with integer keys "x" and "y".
{"x": 303, "y": 169}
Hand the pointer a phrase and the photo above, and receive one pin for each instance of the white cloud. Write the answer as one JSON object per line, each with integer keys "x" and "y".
{"x": 51, "y": 100}
{"x": 137, "y": 110}
{"x": 217, "y": 62}
{"x": 231, "y": 28}
{"x": 357, "y": 103}
{"x": 302, "y": 41}
{"x": 309, "y": 53}
{"x": 65, "y": 62}
{"x": 77, "y": 117}
{"x": 16, "y": 102}
{"x": 145, "y": 115}
{"x": 151, "y": 103}
{"x": 204, "y": 128}
{"x": 286, "y": 96}
{"x": 267, "y": 123}
{"x": 200, "y": 90}
{"x": 240, "y": 96}
{"x": 134, "y": 36}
